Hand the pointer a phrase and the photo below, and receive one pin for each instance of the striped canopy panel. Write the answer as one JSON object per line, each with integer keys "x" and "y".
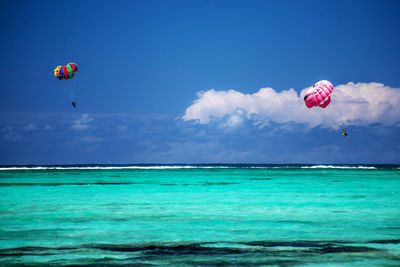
{"x": 66, "y": 72}
{"x": 319, "y": 95}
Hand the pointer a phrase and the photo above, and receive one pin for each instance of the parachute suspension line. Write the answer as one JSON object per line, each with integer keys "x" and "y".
{"x": 69, "y": 89}
{"x": 65, "y": 87}
{"x": 339, "y": 114}
{"x": 330, "y": 114}
{"x": 73, "y": 88}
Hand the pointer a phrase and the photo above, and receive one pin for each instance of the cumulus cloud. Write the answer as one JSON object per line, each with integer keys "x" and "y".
{"x": 352, "y": 103}
{"x": 82, "y": 123}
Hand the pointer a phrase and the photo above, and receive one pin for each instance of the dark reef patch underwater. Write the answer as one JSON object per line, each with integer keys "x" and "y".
{"x": 255, "y": 253}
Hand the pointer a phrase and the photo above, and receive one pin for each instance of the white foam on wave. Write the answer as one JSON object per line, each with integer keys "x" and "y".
{"x": 338, "y": 167}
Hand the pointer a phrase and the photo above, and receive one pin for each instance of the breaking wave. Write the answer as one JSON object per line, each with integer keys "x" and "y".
{"x": 338, "y": 167}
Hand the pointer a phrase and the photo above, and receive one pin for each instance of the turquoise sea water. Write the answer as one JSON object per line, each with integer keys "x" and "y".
{"x": 215, "y": 215}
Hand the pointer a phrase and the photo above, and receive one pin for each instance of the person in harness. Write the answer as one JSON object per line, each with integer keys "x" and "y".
{"x": 344, "y": 133}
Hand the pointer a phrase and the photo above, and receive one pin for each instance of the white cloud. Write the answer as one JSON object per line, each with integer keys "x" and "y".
{"x": 30, "y": 127}
{"x": 82, "y": 123}
{"x": 11, "y": 134}
{"x": 352, "y": 103}
{"x": 91, "y": 139}
{"x": 235, "y": 119}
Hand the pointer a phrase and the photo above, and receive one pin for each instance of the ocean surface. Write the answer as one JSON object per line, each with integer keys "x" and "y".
{"x": 200, "y": 215}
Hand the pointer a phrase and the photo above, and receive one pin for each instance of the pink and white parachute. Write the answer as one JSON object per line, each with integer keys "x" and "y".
{"x": 319, "y": 95}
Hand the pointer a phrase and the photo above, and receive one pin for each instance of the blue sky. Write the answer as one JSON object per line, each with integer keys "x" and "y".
{"x": 185, "y": 81}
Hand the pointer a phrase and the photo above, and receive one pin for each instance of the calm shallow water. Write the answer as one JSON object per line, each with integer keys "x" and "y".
{"x": 244, "y": 215}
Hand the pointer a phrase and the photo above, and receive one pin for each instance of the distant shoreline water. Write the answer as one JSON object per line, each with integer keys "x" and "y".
{"x": 195, "y": 166}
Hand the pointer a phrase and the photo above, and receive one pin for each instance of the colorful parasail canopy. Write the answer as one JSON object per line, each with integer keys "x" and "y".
{"x": 66, "y": 72}
{"x": 319, "y": 95}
